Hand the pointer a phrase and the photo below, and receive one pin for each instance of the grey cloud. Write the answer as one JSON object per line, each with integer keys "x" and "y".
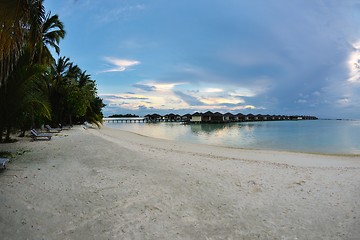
{"x": 192, "y": 101}
{"x": 119, "y": 97}
{"x": 144, "y": 87}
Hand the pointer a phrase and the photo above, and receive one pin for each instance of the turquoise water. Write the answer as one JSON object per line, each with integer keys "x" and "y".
{"x": 314, "y": 136}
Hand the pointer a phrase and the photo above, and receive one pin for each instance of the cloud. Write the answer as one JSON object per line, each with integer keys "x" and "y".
{"x": 242, "y": 92}
{"x": 122, "y": 96}
{"x": 192, "y": 101}
{"x": 166, "y": 86}
{"x": 285, "y": 56}
{"x": 118, "y": 12}
{"x": 181, "y": 96}
{"x": 144, "y": 87}
{"x": 213, "y": 90}
{"x": 119, "y": 65}
{"x": 149, "y": 94}
{"x": 220, "y": 100}
{"x": 344, "y": 102}
{"x": 354, "y": 64}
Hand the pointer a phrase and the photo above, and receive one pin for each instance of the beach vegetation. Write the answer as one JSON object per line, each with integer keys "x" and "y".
{"x": 23, "y": 100}
{"x": 5, "y": 154}
{"x": 36, "y": 89}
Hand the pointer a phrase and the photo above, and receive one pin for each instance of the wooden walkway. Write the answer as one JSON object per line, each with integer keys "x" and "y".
{"x": 135, "y": 120}
{"x": 125, "y": 120}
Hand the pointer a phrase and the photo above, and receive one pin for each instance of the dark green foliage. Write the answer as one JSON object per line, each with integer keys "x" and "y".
{"x": 23, "y": 100}
{"x": 34, "y": 89}
{"x": 6, "y": 154}
{"x": 73, "y": 95}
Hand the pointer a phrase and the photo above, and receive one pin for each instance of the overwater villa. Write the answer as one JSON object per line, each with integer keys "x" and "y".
{"x": 217, "y": 117}
{"x": 210, "y": 117}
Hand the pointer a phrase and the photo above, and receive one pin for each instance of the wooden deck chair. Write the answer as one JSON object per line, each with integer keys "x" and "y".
{"x": 35, "y": 135}
{"x": 52, "y": 130}
{"x": 3, "y": 162}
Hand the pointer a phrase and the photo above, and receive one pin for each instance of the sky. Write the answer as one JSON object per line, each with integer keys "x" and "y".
{"x": 182, "y": 56}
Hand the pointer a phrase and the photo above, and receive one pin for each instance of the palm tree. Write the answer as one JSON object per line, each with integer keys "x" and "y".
{"x": 93, "y": 103}
{"x": 33, "y": 86}
{"x": 74, "y": 94}
{"x": 57, "y": 87}
{"x": 51, "y": 32}
{"x": 13, "y": 17}
{"x": 23, "y": 98}
{"x": 17, "y": 18}
{"x": 93, "y": 113}
{"x": 24, "y": 22}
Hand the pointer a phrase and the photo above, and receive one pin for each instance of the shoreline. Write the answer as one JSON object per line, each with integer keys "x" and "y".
{"x": 351, "y": 155}
{"x": 106, "y": 184}
{"x": 234, "y": 137}
{"x": 324, "y": 160}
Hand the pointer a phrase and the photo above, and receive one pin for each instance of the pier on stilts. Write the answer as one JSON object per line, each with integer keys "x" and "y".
{"x": 125, "y": 120}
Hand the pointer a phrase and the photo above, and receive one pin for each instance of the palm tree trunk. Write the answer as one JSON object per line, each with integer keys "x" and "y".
{"x": 32, "y": 118}
{"x": 70, "y": 120}
{"x": 1, "y": 133}
{"x": 7, "y": 137}
{"x": 22, "y": 134}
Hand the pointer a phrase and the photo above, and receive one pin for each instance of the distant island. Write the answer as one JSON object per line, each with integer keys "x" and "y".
{"x": 124, "y": 116}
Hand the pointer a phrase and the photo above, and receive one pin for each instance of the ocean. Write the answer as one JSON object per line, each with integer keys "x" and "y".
{"x": 310, "y": 136}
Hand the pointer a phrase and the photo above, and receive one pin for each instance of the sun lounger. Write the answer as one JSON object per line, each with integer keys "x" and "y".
{"x": 3, "y": 162}
{"x": 35, "y": 135}
{"x": 52, "y": 130}
{"x": 64, "y": 127}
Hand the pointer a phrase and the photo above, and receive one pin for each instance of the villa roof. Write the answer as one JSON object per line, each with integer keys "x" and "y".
{"x": 218, "y": 114}
{"x": 208, "y": 113}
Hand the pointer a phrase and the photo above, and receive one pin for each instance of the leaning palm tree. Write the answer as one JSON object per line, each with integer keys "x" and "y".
{"x": 23, "y": 98}
{"x": 25, "y": 22}
{"x": 13, "y": 17}
{"x": 51, "y": 31}
{"x": 93, "y": 103}
{"x": 93, "y": 112}
{"x": 17, "y": 17}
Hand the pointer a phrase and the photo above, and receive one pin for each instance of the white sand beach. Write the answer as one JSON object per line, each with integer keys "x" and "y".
{"x": 111, "y": 184}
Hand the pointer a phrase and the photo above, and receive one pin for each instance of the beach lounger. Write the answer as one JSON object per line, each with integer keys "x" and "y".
{"x": 64, "y": 127}
{"x": 52, "y": 130}
{"x": 3, "y": 162}
{"x": 35, "y": 135}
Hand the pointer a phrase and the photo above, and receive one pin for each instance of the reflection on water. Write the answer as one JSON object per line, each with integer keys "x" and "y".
{"x": 305, "y": 136}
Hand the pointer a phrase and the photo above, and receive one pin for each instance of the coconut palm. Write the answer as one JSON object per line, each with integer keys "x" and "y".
{"x": 22, "y": 98}
{"x": 56, "y": 85}
{"x": 51, "y": 31}
{"x": 87, "y": 92}
{"x": 24, "y": 22}
{"x": 30, "y": 80}
{"x": 93, "y": 113}
{"x": 17, "y": 19}
{"x": 95, "y": 104}
{"x": 13, "y": 17}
